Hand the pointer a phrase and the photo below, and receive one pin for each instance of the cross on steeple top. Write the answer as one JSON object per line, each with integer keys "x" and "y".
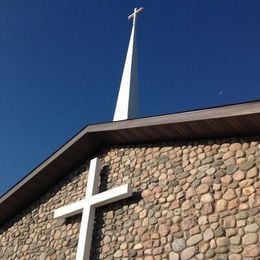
{"x": 134, "y": 14}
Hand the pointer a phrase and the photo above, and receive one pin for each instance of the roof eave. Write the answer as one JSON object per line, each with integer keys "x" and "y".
{"x": 236, "y": 120}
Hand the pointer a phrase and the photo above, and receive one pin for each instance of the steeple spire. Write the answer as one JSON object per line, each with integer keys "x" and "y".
{"x": 127, "y": 105}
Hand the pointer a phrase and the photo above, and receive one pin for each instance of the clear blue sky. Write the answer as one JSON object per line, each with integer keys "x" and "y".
{"x": 61, "y": 63}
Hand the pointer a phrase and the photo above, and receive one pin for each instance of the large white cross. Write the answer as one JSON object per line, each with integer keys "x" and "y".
{"x": 88, "y": 205}
{"x": 126, "y": 107}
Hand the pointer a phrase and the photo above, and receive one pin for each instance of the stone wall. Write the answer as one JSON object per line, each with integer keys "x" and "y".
{"x": 192, "y": 200}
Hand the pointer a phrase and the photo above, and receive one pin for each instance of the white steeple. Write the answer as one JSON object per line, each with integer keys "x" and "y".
{"x": 126, "y": 108}
{"x": 127, "y": 105}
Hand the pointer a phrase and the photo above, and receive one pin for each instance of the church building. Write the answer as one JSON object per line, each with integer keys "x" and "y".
{"x": 177, "y": 186}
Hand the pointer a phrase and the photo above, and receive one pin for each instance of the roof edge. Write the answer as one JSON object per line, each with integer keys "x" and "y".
{"x": 90, "y": 132}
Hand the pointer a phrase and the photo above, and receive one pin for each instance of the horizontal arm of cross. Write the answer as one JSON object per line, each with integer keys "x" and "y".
{"x": 96, "y": 200}
{"x": 70, "y": 210}
{"x": 111, "y": 196}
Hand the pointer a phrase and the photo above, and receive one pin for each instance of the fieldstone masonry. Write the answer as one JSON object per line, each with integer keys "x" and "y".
{"x": 192, "y": 200}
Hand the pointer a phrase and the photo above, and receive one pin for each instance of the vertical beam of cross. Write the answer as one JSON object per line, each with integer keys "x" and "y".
{"x": 88, "y": 214}
{"x": 126, "y": 107}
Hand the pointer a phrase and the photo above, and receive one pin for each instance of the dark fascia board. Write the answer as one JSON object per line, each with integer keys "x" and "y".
{"x": 91, "y": 132}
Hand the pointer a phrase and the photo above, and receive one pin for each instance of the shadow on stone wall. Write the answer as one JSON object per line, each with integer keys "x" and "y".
{"x": 98, "y": 235}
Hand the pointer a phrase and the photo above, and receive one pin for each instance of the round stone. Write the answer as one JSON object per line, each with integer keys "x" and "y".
{"x": 206, "y": 198}
{"x": 138, "y": 246}
{"x": 123, "y": 246}
{"x": 204, "y": 247}
{"x": 228, "y": 155}
{"x": 222, "y": 250}
{"x": 208, "y": 180}
{"x": 219, "y": 232}
{"x": 188, "y": 223}
{"x": 147, "y": 195}
{"x": 249, "y": 239}
{"x": 173, "y": 256}
{"x": 231, "y": 168}
{"x": 242, "y": 215}
{"x": 229, "y": 194}
{"x": 233, "y": 203}
{"x": 252, "y": 173}
{"x": 240, "y": 154}
{"x": 171, "y": 198}
{"x": 247, "y": 191}
{"x": 164, "y": 230}
{"x": 208, "y": 234}
{"x": 226, "y": 179}
{"x": 236, "y": 249}
{"x": 203, "y": 188}
{"x": 210, "y": 171}
{"x": 229, "y": 222}
{"x": 251, "y": 228}
{"x": 222, "y": 241}
{"x": 188, "y": 252}
{"x": 190, "y": 193}
{"x": 203, "y": 220}
{"x": 221, "y": 205}
{"x": 186, "y": 205}
{"x": 178, "y": 244}
{"x": 247, "y": 165}
{"x": 235, "y": 240}
{"x": 118, "y": 253}
{"x": 194, "y": 240}
{"x": 246, "y": 183}
{"x": 239, "y": 175}
{"x": 251, "y": 251}
{"x": 210, "y": 253}
{"x": 235, "y": 147}
{"x": 235, "y": 257}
